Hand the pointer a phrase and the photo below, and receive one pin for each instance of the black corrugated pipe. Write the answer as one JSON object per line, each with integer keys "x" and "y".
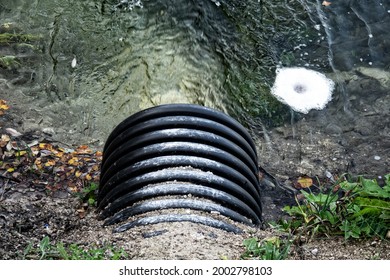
{"x": 180, "y": 156}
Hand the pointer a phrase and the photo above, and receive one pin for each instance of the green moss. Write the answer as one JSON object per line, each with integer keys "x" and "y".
{"x": 8, "y": 38}
{"x": 9, "y": 62}
{"x": 250, "y": 90}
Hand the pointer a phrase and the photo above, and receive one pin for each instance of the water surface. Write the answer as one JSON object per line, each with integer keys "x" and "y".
{"x": 96, "y": 62}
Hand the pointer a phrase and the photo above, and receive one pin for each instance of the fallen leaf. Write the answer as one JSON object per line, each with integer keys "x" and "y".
{"x": 73, "y": 188}
{"x": 78, "y": 174}
{"x": 3, "y": 105}
{"x": 45, "y": 153}
{"x": 3, "y": 144}
{"x": 95, "y": 167}
{"x": 336, "y": 188}
{"x": 50, "y": 163}
{"x": 33, "y": 143}
{"x": 305, "y": 182}
{"x": 5, "y": 138}
{"x": 20, "y": 153}
{"x": 59, "y": 169}
{"x": 38, "y": 163}
{"x": 9, "y": 146}
{"x": 13, "y": 132}
{"x": 83, "y": 150}
{"x": 45, "y": 146}
{"x": 58, "y": 154}
{"x": 73, "y": 161}
{"x": 326, "y": 3}
{"x": 81, "y": 212}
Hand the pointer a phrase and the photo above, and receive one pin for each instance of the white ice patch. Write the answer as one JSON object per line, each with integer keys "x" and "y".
{"x": 302, "y": 89}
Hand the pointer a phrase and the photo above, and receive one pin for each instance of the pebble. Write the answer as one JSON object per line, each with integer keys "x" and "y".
{"x": 48, "y": 130}
{"x": 314, "y": 251}
{"x": 377, "y": 157}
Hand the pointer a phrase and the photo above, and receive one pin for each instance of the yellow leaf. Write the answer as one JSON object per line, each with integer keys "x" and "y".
{"x": 78, "y": 174}
{"x": 73, "y": 161}
{"x": 45, "y": 146}
{"x": 95, "y": 167}
{"x": 20, "y": 153}
{"x": 3, "y": 105}
{"x": 50, "y": 163}
{"x": 11, "y": 169}
{"x": 58, "y": 154}
{"x": 88, "y": 177}
{"x": 305, "y": 182}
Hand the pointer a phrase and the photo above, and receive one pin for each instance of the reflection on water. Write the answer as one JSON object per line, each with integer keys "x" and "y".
{"x": 98, "y": 61}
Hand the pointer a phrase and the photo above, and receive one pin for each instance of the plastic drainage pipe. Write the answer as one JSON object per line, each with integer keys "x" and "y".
{"x": 179, "y": 218}
{"x": 182, "y": 175}
{"x": 182, "y": 135}
{"x": 159, "y": 163}
{"x": 179, "y": 110}
{"x": 113, "y": 177}
{"x": 180, "y": 149}
{"x": 153, "y": 205}
{"x": 185, "y": 122}
{"x": 161, "y": 190}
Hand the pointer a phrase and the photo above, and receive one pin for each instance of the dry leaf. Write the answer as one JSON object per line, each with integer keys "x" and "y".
{"x": 5, "y": 138}
{"x": 305, "y": 182}
{"x": 98, "y": 154}
{"x": 326, "y": 3}
{"x": 20, "y": 153}
{"x": 3, "y": 105}
{"x": 58, "y": 154}
{"x": 33, "y": 143}
{"x": 83, "y": 150}
{"x": 336, "y": 188}
{"x": 45, "y": 146}
{"x": 50, "y": 163}
{"x": 13, "y": 132}
{"x": 73, "y": 161}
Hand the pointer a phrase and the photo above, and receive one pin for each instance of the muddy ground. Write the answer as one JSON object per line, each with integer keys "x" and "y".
{"x": 27, "y": 215}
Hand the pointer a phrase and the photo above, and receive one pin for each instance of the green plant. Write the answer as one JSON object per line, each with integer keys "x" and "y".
{"x": 354, "y": 209}
{"x": 8, "y": 38}
{"x": 9, "y": 62}
{"x": 267, "y": 249}
{"x": 48, "y": 251}
{"x": 88, "y": 194}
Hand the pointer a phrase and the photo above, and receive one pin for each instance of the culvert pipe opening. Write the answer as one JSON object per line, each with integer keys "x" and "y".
{"x": 180, "y": 157}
